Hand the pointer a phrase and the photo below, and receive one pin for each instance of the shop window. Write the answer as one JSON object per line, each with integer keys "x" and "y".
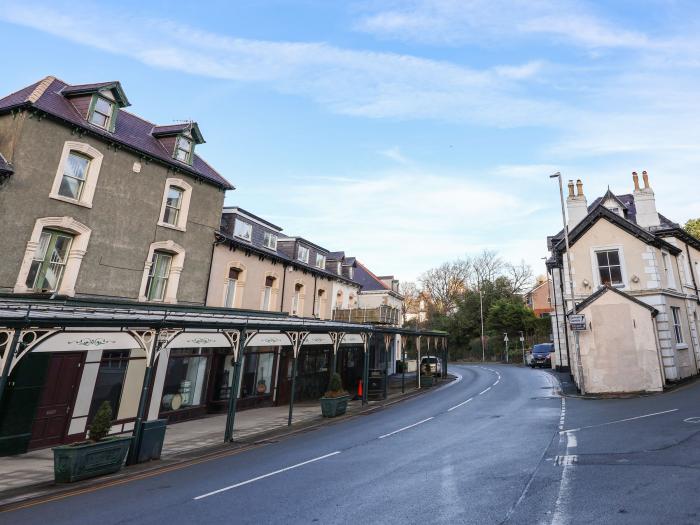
{"x": 110, "y": 381}
{"x": 256, "y": 379}
{"x": 185, "y": 379}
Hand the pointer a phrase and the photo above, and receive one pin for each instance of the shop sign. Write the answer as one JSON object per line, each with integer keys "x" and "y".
{"x": 82, "y": 341}
{"x": 200, "y": 340}
{"x": 577, "y": 322}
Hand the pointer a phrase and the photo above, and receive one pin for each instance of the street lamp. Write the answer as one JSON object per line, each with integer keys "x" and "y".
{"x": 577, "y": 349}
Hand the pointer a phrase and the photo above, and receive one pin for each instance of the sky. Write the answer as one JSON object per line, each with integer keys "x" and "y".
{"x": 405, "y": 133}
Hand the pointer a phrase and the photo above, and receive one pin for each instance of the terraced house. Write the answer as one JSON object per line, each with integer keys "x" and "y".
{"x": 635, "y": 279}
{"x": 121, "y": 282}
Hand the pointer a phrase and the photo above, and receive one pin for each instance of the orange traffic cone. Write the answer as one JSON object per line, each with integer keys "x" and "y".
{"x": 359, "y": 389}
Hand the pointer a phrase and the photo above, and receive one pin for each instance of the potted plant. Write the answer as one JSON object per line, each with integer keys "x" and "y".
{"x": 335, "y": 401}
{"x": 99, "y": 455}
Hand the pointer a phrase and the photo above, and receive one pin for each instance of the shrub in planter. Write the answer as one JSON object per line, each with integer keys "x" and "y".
{"x": 100, "y": 455}
{"x": 335, "y": 401}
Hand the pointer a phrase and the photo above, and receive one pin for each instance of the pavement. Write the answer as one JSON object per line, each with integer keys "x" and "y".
{"x": 31, "y": 474}
{"x": 499, "y": 445}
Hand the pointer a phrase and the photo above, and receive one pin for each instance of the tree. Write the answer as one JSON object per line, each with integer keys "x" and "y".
{"x": 520, "y": 276}
{"x": 486, "y": 266}
{"x": 509, "y": 316}
{"x": 445, "y": 284}
{"x": 693, "y": 227}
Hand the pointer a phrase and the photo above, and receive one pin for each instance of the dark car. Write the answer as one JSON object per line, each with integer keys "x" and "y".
{"x": 542, "y": 355}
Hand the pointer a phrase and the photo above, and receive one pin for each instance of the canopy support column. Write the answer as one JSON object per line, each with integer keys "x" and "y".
{"x": 297, "y": 339}
{"x": 8, "y": 355}
{"x": 387, "y": 343}
{"x": 237, "y": 349}
{"x": 365, "y": 365}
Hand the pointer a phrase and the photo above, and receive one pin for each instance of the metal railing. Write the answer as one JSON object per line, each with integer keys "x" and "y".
{"x": 380, "y": 315}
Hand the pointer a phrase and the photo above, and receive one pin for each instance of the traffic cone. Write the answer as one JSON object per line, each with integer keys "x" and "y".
{"x": 359, "y": 389}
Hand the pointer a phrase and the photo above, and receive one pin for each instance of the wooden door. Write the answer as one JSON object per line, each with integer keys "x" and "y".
{"x": 56, "y": 403}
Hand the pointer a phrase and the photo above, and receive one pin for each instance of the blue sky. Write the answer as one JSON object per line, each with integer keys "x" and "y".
{"x": 404, "y": 133}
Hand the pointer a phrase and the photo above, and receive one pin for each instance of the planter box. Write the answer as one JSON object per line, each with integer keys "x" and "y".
{"x": 426, "y": 381}
{"x": 73, "y": 463}
{"x": 334, "y": 406}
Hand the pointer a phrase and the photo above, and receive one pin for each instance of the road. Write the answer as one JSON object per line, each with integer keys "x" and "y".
{"x": 498, "y": 446}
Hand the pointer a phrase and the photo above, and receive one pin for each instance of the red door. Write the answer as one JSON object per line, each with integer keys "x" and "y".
{"x": 56, "y": 403}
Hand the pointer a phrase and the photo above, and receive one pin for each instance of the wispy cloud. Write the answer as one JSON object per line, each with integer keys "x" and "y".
{"x": 462, "y": 21}
{"x": 396, "y": 155}
{"x": 353, "y": 82}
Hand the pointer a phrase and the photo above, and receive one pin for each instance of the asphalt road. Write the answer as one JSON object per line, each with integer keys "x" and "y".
{"x": 499, "y": 446}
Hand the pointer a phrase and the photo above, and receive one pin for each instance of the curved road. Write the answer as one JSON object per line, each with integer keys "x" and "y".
{"x": 478, "y": 450}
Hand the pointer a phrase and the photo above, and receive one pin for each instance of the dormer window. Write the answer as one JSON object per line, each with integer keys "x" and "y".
{"x": 320, "y": 261}
{"x": 102, "y": 112}
{"x": 183, "y": 149}
{"x": 303, "y": 254}
{"x": 243, "y": 230}
{"x": 339, "y": 268}
{"x": 270, "y": 240}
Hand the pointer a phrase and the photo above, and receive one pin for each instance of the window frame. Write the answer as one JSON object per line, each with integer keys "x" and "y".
{"x": 152, "y": 278}
{"x": 177, "y": 263}
{"x": 78, "y": 248}
{"x": 184, "y": 204}
{"x": 270, "y": 235}
{"x": 595, "y": 269}
{"x": 676, "y": 319}
{"x": 111, "y": 121}
{"x": 232, "y": 291}
{"x": 92, "y": 173}
{"x": 249, "y": 237}
{"x": 307, "y": 251}
{"x": 667, "y": 265}
{"x": 45, "y": 263}
{"x": 176, "y": 209}
{"x": 322, "y": 259}
{"x": 177, "y": 148}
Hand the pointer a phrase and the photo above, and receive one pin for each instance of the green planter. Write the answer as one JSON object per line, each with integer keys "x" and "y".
{"x": 73, "y": 463}
{"x": 334, "y": 406}
{"x": 427, "y": 381}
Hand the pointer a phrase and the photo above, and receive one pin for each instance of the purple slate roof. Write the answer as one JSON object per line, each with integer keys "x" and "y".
{"x": 130, "y": 130}
{"x": 367, "y": 280}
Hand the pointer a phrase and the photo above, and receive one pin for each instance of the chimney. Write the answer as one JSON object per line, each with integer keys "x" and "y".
{"x": 577, "y": 207}
{"x": 645, "y": 203}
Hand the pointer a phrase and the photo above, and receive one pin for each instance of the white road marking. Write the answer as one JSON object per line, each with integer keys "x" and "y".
{"x": 462, "y": 403}
{"x": 266, "y": 475}
{"x": 567, "y": 461}
{"x": 619, "y": 421}
{"x": 484, "y": 391}
{"x": 452, "y": 383}
{"x": 406, "y": 428}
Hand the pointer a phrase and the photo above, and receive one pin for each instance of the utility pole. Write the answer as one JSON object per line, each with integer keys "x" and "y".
{"x": 577, "y": 348}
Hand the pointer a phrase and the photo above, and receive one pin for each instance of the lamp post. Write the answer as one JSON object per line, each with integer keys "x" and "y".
{"x": 577, "y": 349}
{"x": 481, "y": 313}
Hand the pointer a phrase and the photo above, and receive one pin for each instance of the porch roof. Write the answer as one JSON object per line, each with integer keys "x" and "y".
{"x": 30, "y": 311}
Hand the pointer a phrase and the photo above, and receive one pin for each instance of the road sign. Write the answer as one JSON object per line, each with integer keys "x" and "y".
{"x": 577, "y": 322}
{"x": 505, "y": 338}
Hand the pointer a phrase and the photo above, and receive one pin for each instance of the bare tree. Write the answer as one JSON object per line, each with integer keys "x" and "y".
{"x": 411, "y": 297}
{"x": 445, "y": 284}
{"x": 486, "y": 266}
{"x": 519, "y": 275}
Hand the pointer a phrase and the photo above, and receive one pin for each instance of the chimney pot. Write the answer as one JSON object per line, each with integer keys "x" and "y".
{"x": 579, "y": 188}
{"x": 645, "y": 176}
{"x": 571, "y": 189}
{"x": 635, "y": 178}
